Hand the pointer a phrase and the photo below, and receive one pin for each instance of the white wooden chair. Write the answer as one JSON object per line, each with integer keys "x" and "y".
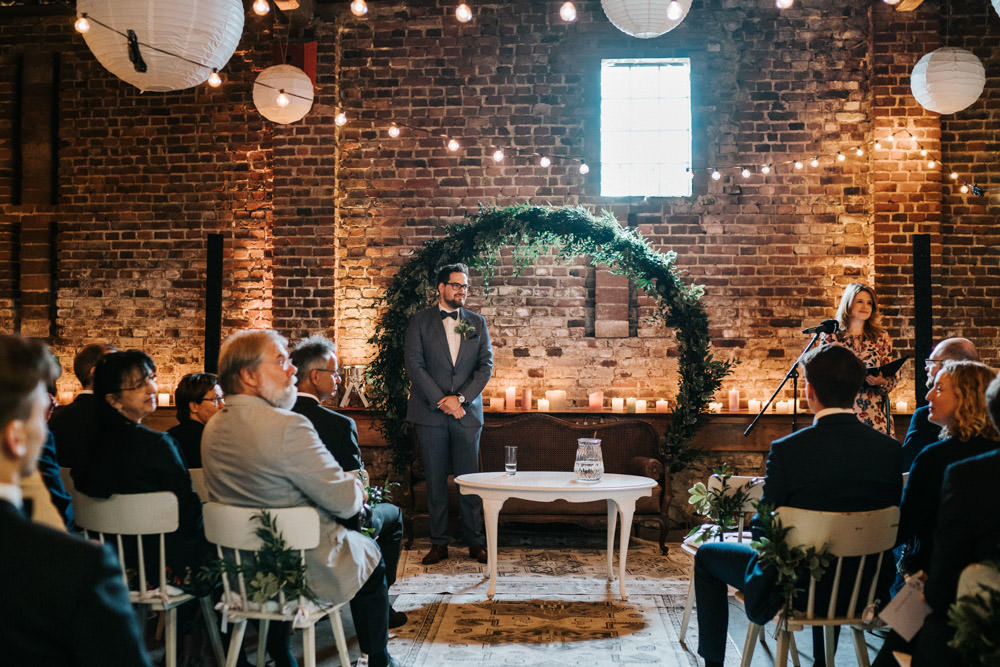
{"x": 846, "y": 535}
{"x": 690, "y": 545}
{"x": 233, "y": 531}
{"x": 129, "y": 517}
{"x": 198, "y": 482}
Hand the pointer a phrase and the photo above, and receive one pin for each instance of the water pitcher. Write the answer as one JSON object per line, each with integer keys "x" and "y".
{"x": 589, "y": 466}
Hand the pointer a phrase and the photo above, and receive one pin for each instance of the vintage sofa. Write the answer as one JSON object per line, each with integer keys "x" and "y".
{"x": 546, "y": 442}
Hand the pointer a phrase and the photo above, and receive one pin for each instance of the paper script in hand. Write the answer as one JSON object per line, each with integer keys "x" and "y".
{"x": 907, "y": 611}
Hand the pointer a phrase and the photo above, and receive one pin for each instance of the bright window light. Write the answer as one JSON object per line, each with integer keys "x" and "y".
{"x": 646, "y": 127}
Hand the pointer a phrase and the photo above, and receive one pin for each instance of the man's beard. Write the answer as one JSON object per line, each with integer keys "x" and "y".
{"x": 278, "y": 396}
{"x": 455, "y": 303}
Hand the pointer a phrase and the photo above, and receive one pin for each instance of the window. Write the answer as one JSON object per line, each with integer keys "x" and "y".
{"x": 646, "y": 127}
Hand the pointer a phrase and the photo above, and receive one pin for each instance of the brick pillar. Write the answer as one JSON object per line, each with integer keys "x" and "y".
{"x": 36, "y": 276}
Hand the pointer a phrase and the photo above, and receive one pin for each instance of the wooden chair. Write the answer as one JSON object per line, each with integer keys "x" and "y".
{"x": 130, "y": 516}
{"x": 847, "y": 535}
{"x": 233, "y": 531}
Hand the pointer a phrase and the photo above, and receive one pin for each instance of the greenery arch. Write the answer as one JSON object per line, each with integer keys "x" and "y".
{"x": 532, "y": 230}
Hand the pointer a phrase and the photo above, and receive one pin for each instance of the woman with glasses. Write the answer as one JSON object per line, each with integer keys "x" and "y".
{"x": 860, "y": 332}
{"x": 198, "y": 397}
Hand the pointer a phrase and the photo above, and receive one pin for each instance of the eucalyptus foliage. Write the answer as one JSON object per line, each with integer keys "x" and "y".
{"x": 976, "y": 619}
{"x": 533, "y": 231}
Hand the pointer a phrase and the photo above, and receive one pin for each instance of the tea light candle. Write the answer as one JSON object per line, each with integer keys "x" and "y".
{"x": 511, "y": 398}
{"x": 902, "y": 406}
{"x": 496, "y": 403}
{"x": 662, "y": 405}
{"x": 630, "y": 404}
{"x": 525, "y": 400}
{"x": 715, "y": 407}
{"x": 543, "y": 405}
{"x": 640, "y": 406}
{"x": 734, "y": 400}
{"x": 753, "y": 405}
{"x": 617, "y": 405}
{"x": 596, "y": 401}
{"x": 162, "y": 400}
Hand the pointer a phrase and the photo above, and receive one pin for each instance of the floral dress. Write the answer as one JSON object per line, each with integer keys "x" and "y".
{"x": 871, "y": 403}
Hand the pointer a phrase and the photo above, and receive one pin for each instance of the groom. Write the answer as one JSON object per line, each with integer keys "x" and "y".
{"x": 449, "y": 360}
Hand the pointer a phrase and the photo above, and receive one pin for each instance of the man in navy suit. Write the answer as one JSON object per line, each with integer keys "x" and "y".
{"x": 921, "y": 432}
{"x": 838, "y": 464}
{"x": 449, "y": 360}
{"x": 317, "y": 372}
{"x": 72, "y": 425}
{"x": 64, "y": 600}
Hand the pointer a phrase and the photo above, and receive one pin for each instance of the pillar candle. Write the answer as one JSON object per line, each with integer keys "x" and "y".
{"x": 640, "y": 406}
{"x": 525, "y": 400}
{"x": 543, "y": 405}
{"x": 753, "y": 405}
{"x": 596, "y": 402}
{"x": 496, "y": 403}
{"x": 630, "y": 404}
{"x": 617, "y": 404}
{"x": 781, "y": 407}
{"x": 734, "y": 400}
{"x": 556, "y": 398}
{"x": 662, "y": 405}
{"x": 902, "y": 406}
{"x": 511, "y": 398}
{"x": 163, "y": 400}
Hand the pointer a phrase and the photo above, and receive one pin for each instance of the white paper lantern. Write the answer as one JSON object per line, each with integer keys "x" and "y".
{"x": 947, "y": 80}
{"x": 296, "y": 84}
{"x": 204, "y": 31}
{"x": 643, "y": 18}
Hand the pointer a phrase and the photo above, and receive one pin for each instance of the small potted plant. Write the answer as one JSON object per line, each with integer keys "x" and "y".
{"x": 722, "y": 506}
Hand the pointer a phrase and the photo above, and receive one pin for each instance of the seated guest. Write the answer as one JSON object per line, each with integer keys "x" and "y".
{"x": 44, "y": 492}
{"x": 838, "y": 464}
{"x": 318, "y": 376}
{"x": 65, "y": 603}
{"x": 72, "y": 425}
{"x": 921, "y": 432}
{"x": 258, "y": 453}
{"x": 957, "y": 404}
{"x": 197, "y": 398}
{"x": 126, "y": 457}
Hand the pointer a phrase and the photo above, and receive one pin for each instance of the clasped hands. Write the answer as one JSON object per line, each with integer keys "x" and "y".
{"x": 450, "y": 406}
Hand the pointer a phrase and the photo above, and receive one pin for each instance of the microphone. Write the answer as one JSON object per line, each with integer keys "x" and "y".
{"x": 826, "y": 326}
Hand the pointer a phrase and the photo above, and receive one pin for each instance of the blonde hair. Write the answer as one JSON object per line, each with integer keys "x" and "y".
{"x": 969, "y": 380}
{"x": 872, "y": 328}
{"x": 244, "y": 349}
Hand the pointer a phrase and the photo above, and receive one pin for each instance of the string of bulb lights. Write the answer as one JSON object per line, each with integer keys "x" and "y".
{"x": 568, "y": 13}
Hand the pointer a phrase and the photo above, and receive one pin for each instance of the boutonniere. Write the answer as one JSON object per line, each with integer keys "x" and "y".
{"x": 466, "y": 330}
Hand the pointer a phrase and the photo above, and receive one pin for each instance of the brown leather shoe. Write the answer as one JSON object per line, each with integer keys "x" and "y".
{"x": 437, "y": 553}
{"x": 479, "y": 553}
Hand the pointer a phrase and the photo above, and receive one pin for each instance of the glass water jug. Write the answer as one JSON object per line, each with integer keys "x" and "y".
{"x": 589, "y": 466}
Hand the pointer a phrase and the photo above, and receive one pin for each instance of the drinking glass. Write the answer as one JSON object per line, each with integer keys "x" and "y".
{"x": 510, "y": 459}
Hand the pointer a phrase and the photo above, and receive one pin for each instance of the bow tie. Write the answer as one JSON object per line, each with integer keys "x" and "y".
{"x": 453, "y": 315}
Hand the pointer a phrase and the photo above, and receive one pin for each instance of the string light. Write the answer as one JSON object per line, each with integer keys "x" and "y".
{"x": 463, "y": 13}
{"x": 892, "y": 2}
{"x": 82, "y": 25}
{"x": 841, "y": 157}
{"x": 214, "y": 80}
{"x": 798, "y": 164}
{"x": 359, "y": 7}
{"x": 568, "y": 12}
{"x": 393, "y": 131}
{"x": 453, "y": 145}
{"x": 878, "y": 145}
{"x": 766, "y": 169}
{"x": 584, "y": 169}
{"x": 745, "y": 173}
{"x": 860, "y": 151}
{"x": 964, "y": 188}
{"x": 931, "y": 164}
{"x": 545, "y": 161}
{"x": 283, "y": 100}
{"x": 814, "y": 162}
{"x": 674, "y": 10}
{"x": 498, "y": 155}
{"x": 716, "y": 175}
{"x": 340, "y": 119}
{"x": 954, "y": 175}
{"x": 923, "y": 152}
{"x": 784, "y": 4}
{"x": 261, "y": 7}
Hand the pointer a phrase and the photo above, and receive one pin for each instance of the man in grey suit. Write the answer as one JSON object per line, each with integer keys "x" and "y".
{"x": 449, "y": 360}
{"x": 256, "y": 452}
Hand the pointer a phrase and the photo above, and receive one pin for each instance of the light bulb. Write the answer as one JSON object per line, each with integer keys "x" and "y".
{"x": 283, "y": 100}
{"x": 766, "y": 169}
{"x": 82, "y": 25}
{"x": 261, "y": 7}
{"x": 860, "y": 151}
{"x": 891, "y": 138}
{"x": 964, "y": 188}
{"x": 674, "y": 10}
{"x": 798, "y": 164}
{"x": 878, "y": 145}
{"x": 498, "y": 155}
{"x": 567, "y": 12}
{"x": 745, "y": 173}
{"x": 892, "y": 2}
{"x": 545, "y": 161}
{"x": 463, "y": 13}
{"x": 954, "y": 175}
{"x": 214, "y": 80}
{"x": 359, "y": 7}
{"x": 453, "y": 145}
{"x": 716, "y": 175}
{"x": 840, "y": 157}
{"x": 923, "y": 152}
{"x": 931, "y": 164}
{"x": 584, "y": 169}
{"x": 783, "y": 4}
{"x": 814, "y": 162}
{"x": 394, "y": 130}
{"x": 340, "y": 119}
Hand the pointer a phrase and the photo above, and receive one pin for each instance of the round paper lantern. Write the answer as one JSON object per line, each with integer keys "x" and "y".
{"x": 947, "y": 80}
{"x": 204, "y": 31}
{"x": 643, "y": 18}
{"x": 297, "y": 86}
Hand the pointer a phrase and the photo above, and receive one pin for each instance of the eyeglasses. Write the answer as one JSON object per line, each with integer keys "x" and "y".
{"x": 215, "y": 400}
{"x": 930, "y": 363}
{"x": 335, "y": 374}
{"x": 458, "y": 287}
{"x": 146, "y": 379}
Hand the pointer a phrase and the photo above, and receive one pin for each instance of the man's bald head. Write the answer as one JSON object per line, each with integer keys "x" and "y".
{"x": 950, "y": 349}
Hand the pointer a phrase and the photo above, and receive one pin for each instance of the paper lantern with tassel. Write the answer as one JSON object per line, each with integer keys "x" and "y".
{"x": 296, "y": 84}
{"x": 203, "y": 31}
{"x": 947, "y": 80}
{"x": 644, "y": 18}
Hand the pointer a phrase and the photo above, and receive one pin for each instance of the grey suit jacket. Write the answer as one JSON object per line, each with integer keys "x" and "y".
{"x": 432, "y": 373}
{"x": 256, "y": 455}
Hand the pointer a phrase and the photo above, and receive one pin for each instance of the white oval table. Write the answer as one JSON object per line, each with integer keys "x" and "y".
{"x": 620, "y": 491}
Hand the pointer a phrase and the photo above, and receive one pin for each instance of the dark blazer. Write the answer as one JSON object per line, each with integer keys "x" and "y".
{"x": 48, "y": 466}
{"x": 432, "y": 373}
{"x": 338, "y": 432}
{"x": 73, "y": 426}
{"x": 187, "y": 435}
{"x": 919, "y": 508}
{"x": 64, "y": 601}
{"x": 920, "y": 434}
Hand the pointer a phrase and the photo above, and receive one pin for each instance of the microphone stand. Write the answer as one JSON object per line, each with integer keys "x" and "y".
{"x": 792, "y": 373}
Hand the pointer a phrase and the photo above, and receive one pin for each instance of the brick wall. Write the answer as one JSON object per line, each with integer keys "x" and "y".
{"x": 317, "y": 219}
